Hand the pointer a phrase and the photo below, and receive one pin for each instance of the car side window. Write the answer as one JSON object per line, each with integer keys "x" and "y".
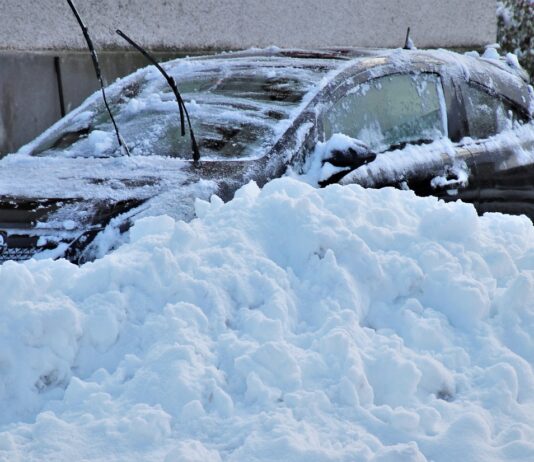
{"x": 391, "y": 111}
{"x": 487, "y": 114}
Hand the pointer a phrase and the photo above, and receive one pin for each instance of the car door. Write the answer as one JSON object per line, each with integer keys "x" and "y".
{"x": 405, "y": 119}
{"x": 501, "y": 141}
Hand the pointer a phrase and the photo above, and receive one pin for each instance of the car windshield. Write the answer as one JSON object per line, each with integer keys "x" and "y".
{"x": 237, "y": 110}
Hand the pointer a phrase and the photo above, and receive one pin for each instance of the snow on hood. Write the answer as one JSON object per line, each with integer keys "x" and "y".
{"x": 115, "y": 178}
{"x": 289, "y": 324}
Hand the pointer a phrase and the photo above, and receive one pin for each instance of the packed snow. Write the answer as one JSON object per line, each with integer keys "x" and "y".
{"x": 289, "y": 324}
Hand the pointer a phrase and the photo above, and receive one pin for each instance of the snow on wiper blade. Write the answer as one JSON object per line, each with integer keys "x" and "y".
{"x": 174, "y": 88}
{"x": 96, "y": 65}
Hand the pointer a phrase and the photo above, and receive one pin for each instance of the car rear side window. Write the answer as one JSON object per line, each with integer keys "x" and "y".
{"x": 487, "y": 114}
{"x": 391, "y": 111}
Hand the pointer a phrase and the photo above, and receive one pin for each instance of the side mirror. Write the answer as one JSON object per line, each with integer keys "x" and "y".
{"x": 345, "y": 152}
{"x": 343, "y": 155}
{"x": 352, "y": 157}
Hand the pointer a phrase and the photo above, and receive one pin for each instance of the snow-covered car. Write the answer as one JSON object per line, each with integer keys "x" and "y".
{"x": 437, "y": 122}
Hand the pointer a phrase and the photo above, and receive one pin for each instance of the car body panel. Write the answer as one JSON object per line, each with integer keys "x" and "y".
{"x": 505, "y": 172}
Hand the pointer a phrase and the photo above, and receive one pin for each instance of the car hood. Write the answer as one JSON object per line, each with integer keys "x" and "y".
{"x": 114, "y": 178}
{"x": 50, "y": 202}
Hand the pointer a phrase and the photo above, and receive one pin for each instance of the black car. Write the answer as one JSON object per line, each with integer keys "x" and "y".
{"x": 437, "y": 122}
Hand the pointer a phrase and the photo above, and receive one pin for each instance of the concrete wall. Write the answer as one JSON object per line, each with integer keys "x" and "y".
{"x": 33, "y": 32}
{"x": 29, "y": 100}
{"x": 192, "y": 24}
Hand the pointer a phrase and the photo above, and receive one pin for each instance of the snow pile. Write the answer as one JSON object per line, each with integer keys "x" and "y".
{"x": 289, "y": 324}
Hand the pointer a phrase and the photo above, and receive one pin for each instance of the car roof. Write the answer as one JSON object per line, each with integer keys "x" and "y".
{"x": 501, "y": 74}
{"x": 444, "y": 57}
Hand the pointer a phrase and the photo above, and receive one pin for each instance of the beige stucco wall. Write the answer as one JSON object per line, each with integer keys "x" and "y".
{"x": 29, "y": 91}
{"x": 194, "y": 24}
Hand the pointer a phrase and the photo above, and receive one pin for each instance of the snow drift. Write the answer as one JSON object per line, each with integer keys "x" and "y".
{"x": 289, "y": 324}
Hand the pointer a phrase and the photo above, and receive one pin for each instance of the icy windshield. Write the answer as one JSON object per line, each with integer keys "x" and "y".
{"x": 238, "y": 109}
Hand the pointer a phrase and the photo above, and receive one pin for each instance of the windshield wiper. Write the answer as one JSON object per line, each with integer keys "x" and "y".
{"x": 172, "y": 84}
{"x": 96, "y": 65}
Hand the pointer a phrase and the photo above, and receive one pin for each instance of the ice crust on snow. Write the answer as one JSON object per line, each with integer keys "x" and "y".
{"x": 291, "y": 324}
